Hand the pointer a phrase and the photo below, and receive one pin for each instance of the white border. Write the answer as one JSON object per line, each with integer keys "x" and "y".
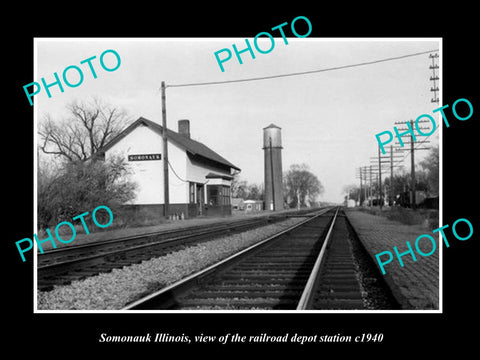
{"x": 35, "y": 177}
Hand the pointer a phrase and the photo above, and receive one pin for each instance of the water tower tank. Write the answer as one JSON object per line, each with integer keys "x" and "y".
{"x": 272, "y": 147}
{"x": 274, "y": 133}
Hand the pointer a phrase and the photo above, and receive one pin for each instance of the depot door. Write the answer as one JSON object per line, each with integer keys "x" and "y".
{"x": 200, "y": 199}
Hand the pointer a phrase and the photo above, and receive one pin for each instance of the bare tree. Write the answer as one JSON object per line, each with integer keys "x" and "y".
{"x": 255, "y": 192}
{"x": 301, "y": 186}
{"x": 90, "y": 126}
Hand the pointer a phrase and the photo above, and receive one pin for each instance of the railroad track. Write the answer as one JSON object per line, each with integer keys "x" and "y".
{"x": 311, "y": 265}
{"x": 63, "y": 265}
{"x": 308, "y": 266}
{"x": 334, "y": 281}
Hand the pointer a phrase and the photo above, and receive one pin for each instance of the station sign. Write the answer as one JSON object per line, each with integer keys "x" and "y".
{"x": 144, "y": 157}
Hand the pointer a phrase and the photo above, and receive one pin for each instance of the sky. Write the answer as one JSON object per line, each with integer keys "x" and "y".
{"x": 328, "y": 119}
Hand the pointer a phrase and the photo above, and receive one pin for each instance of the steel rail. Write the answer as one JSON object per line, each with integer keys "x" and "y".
{"x": 119, "y": 240}
{"x": 307, "y": 296}
{"x": 71, "y": 262}
{"x": 169, "y": 292}
{"x": 68, "y": 265}
{"x": 209, "y": 227}
{"x": 192, "y": 233}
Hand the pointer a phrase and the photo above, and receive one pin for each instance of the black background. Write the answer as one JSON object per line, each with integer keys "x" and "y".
{"x": 60, "y": 335}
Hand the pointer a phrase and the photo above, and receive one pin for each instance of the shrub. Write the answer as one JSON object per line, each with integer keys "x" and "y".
{"x": 82, "y": 186}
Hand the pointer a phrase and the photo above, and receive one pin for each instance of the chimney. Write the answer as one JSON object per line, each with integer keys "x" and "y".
{"x": 184, "y": 128}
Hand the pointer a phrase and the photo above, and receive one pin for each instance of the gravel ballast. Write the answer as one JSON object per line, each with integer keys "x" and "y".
{"x": 114, "y": 290}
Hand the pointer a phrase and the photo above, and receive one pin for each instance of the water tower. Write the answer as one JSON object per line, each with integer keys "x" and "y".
{"x": 272, "y": 147}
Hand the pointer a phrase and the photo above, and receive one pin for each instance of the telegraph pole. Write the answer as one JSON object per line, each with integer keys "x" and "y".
{"x": 165, "y": 155}
{"x": 434, "y": 78}
{"x": 360, "y": 193}
{"x": 371, "y": 192}
{"x": 383, "y": 160}
{"x": 412, "y": 157}
{"x": 391, "y": 174}
{"x": 412, "y": 165}
{"x": 365, "y": 180}
{"x": 380, "y": 176}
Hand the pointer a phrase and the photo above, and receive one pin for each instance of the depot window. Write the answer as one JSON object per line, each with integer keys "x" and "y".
{"x": 192, "y": 192}
{"x": 218, "y": 195}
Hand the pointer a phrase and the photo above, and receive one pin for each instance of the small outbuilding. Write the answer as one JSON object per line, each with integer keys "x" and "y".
{"x": 253, "y": 205}
{"x": 238, "y": 204}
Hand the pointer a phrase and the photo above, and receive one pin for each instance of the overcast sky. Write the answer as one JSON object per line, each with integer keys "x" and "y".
{"x": 328, "y": 119}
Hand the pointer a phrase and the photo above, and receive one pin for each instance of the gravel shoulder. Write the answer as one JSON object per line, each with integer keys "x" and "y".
{"x": 114, "y": 290}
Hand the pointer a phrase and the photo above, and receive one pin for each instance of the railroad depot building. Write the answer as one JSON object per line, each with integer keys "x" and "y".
{"x": 199, "y": 178}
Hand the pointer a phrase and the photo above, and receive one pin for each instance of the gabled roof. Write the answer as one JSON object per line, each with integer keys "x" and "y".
{"x": 272, "y": 125}
{"x": 191, "y": 146}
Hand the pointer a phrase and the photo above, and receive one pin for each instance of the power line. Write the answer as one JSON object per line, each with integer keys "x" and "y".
{"x": 305, "y": 72}
{"x": 175, "y": 173}
{"x": 413, "y": 147}
{"x": 179, "y": 178}
{"x": 417, "y": 144}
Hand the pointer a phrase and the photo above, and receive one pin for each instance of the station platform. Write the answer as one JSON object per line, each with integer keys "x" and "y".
{"x": 416, "y": 284}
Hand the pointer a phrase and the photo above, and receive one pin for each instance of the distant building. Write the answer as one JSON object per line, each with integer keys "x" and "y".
{"x": 350, "y": 203}
{"x": 199, "y": 178}
{"x": 238, "y": 204}
{"x": 253, "y": 205}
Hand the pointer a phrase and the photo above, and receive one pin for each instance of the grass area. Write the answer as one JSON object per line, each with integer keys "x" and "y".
{"x": 426, "y": 217}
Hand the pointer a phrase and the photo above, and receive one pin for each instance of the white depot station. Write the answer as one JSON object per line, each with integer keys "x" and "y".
{"x": 199, "y": 179}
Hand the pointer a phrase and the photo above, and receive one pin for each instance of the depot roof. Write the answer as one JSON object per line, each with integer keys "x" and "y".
{"x": 191, "y": 146}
